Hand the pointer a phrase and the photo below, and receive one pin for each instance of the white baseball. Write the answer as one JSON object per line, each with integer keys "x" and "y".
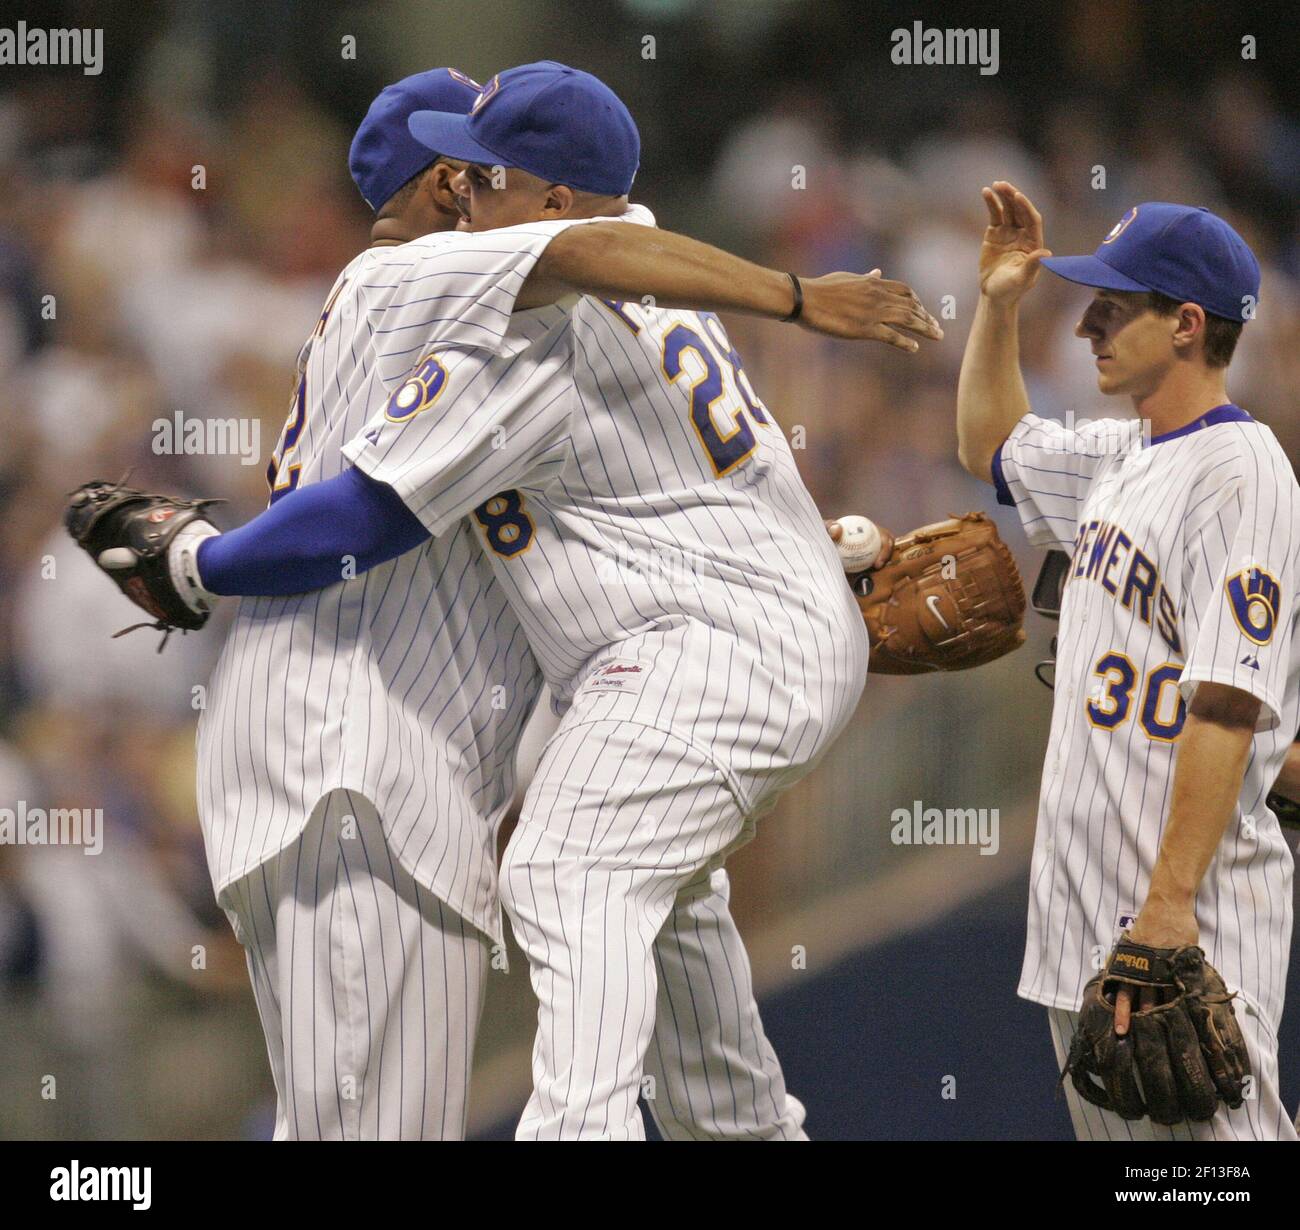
{"x": 116, "y": 558}
{"x": 859, "y": 544}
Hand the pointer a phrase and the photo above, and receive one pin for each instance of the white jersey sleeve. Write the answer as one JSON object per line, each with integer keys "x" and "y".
{"x": 1239, "y": 588}
{"x": 459, "y": 287}
{"x": 1044, "y": 470}
{"x": 488, "y": 398}
{"x": 467, "y": 425}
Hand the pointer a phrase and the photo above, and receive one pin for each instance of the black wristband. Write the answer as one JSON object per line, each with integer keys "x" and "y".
{"x": 797, "y": 310}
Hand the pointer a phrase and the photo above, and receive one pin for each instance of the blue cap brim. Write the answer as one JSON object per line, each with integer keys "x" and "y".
{"x": 1091, "y": 271}
{"x": 447, "y": 133}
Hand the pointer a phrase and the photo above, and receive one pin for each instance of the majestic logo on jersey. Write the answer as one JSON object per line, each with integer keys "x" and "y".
{"x": 1121, "y": 226}
{"x": 486, "y": 94}
{"x": 1256, "y": 598}
{"x": 1106, "y": 554}
{"x": 418, "y": 391}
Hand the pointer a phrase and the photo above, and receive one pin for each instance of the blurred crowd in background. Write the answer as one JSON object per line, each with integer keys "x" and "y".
{"x": 168, "y": 231}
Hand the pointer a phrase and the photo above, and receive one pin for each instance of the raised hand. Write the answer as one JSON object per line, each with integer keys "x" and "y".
{"x": 1012, "y": 245}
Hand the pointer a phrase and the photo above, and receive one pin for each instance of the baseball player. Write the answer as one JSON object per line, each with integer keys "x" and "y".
{"x": 1176, "y": 695}
{"x": 620, "y": 437}
{"x": 393, "y": 677}
{"x": 356, "y": 753}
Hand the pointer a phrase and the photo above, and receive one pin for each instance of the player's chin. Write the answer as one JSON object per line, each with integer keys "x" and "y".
{"x": 1108, "y": 379}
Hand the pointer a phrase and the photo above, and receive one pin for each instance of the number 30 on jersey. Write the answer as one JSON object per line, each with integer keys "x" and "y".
{"x": 1111, "y": 700}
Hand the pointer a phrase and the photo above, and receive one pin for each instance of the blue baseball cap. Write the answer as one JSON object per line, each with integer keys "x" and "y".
{"x": 384, "y": 155}
{"x": 1183, "y": 251}
{"x": 556, "y": 122}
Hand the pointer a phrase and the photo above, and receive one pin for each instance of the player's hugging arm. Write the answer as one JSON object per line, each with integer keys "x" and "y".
{"x": 172, "y": 562}
{"x": 326, "y": 531}
{"x": 414, "y": 474}
{"x": 617, "y": 260}
{"x": 304, "y": 540}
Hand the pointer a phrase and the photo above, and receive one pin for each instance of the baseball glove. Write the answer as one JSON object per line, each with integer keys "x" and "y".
{"x": 1178, "y": 1058}
{"x": 949, "y": 598}
{"x": 130, "y": 534}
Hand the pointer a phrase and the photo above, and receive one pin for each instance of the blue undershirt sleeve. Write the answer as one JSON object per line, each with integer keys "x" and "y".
{"x": 301, "y": 541}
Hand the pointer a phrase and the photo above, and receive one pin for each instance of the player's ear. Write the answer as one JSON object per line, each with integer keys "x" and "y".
{"x": 558, "y": 201}
{"x": 437, "y": 183}
{"x": 1189, "y": 325}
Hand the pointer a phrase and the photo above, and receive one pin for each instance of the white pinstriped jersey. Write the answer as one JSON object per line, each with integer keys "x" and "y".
{"x": 1184, "y": 569}
{"x": 646, "y": 518}
{"x": 409, "y": 684}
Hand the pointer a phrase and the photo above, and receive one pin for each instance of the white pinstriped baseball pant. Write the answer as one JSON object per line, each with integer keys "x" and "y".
{"x": 369, "y": 987}
{"x": 370, "y": 991}
{"x": 1260, "y": 1117}
{"x": 613, "y": 886}
{"x": 710, "y": 1073}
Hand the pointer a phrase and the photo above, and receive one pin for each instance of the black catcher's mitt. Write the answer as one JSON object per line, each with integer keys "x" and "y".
{"x": 128, "y": 534}
{"x": 1178, "y": 1058}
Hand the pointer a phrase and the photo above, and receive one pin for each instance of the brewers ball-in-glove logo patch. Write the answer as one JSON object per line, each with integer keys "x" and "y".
{"x": 417, "y": 392}
{"x": 1256, "y": 597}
